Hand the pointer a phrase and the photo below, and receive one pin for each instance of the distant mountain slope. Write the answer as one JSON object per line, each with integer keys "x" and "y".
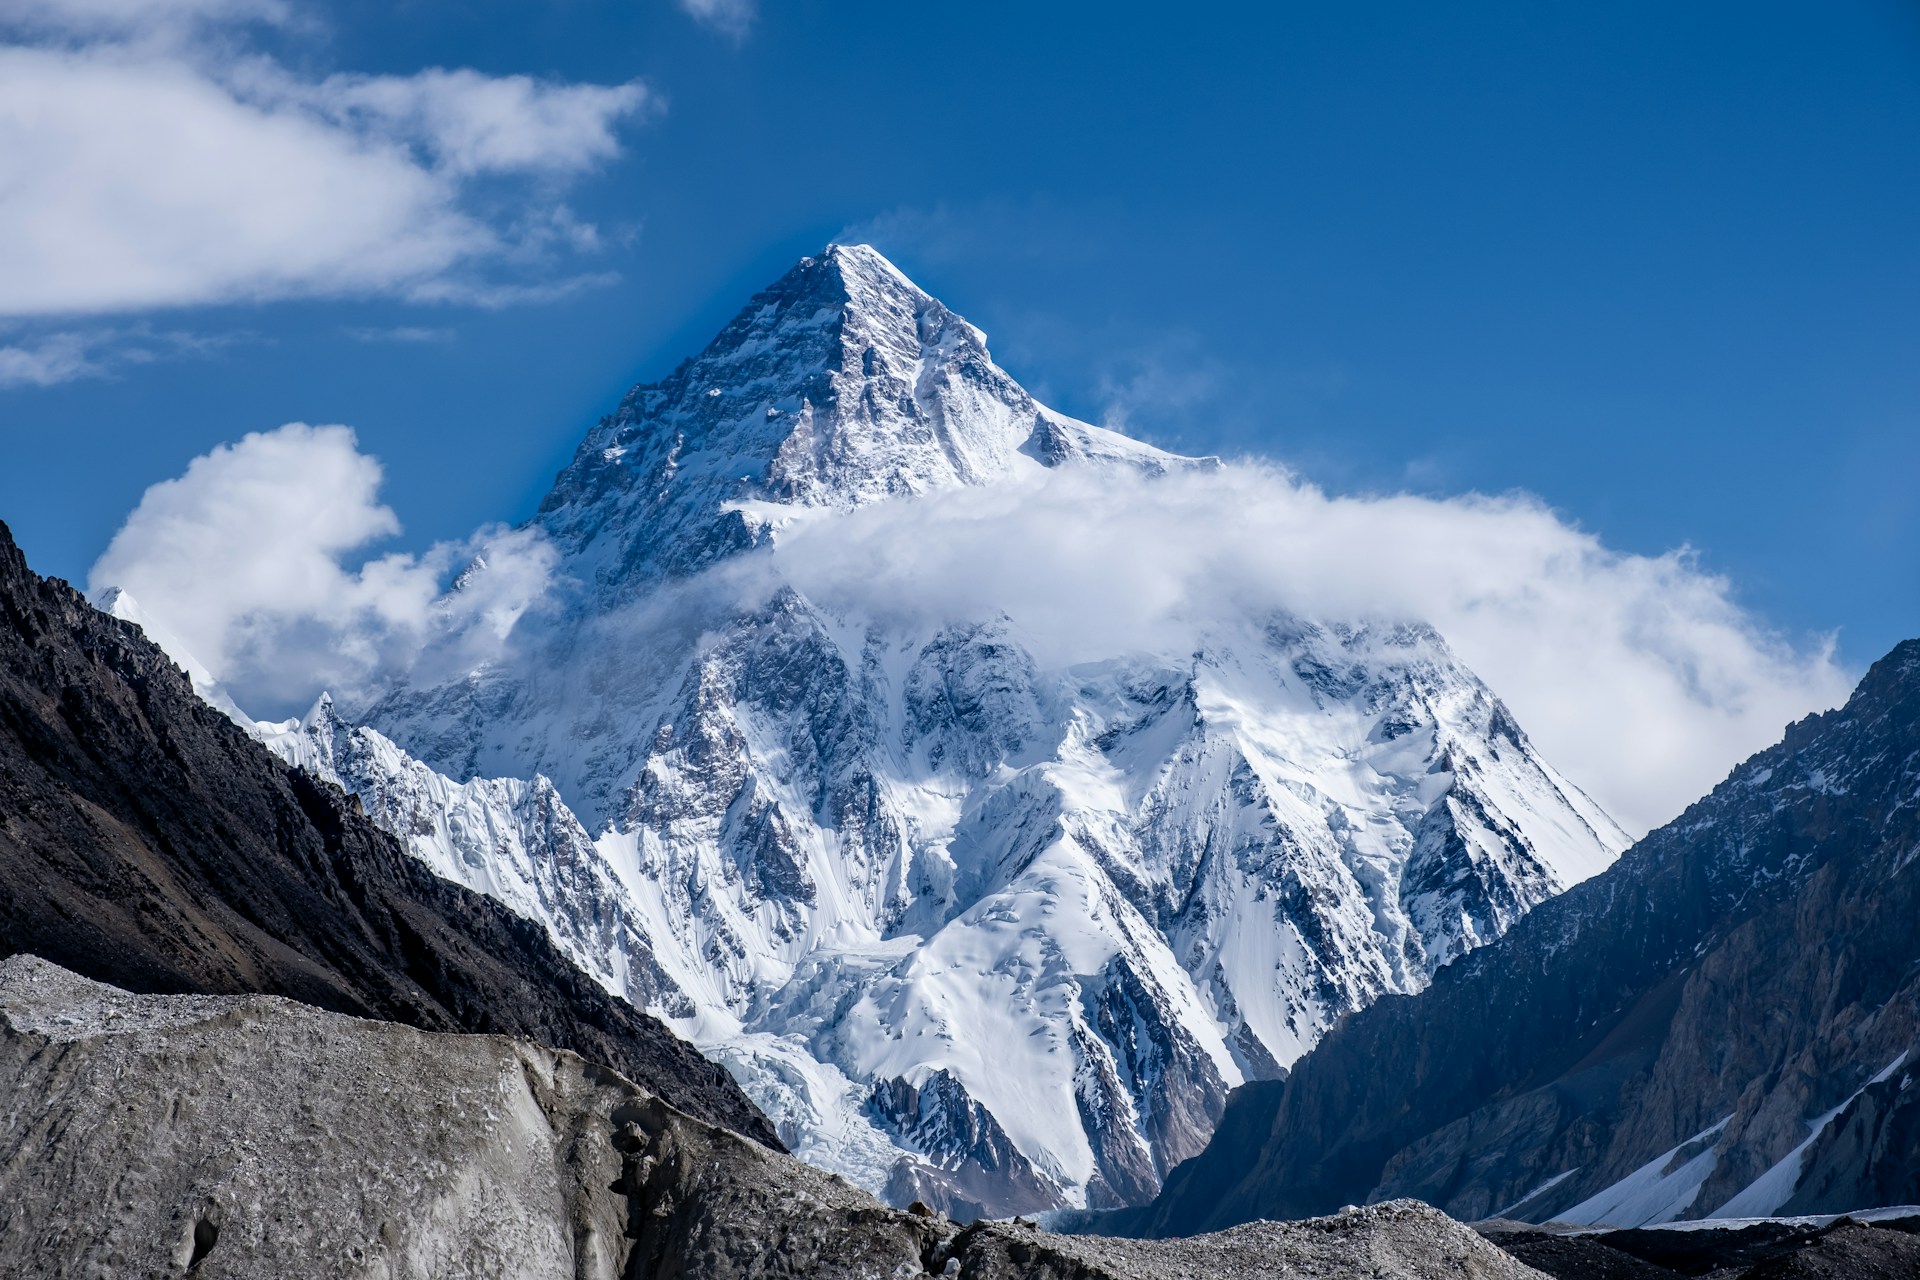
{"x": 973, "y": 925}
{"x": 146, "y": 841}
{"x": 1726, "y": 1023}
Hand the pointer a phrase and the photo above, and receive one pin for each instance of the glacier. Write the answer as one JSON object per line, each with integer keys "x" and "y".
{"x": 972, "y": 925}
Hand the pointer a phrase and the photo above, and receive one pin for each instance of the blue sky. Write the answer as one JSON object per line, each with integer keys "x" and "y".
{"x": 1655, "y": 263}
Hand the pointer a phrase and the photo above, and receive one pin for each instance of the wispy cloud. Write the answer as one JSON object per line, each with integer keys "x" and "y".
{"x": 491, "y": 295}
{"x": 729, "y": 17}
{"x": 48, "y": 358}
{"x": 57, "y": 357}
{"x": 150, "y": 156}
{"x": 406, "y": 333}
{"x": 169, "y": 21}
{"x": 1141, "y": 385}
{"x": 1641, "y": 676}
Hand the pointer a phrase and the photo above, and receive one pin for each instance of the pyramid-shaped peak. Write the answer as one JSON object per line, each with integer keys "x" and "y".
{"x": 867, "y": 264}
{"x": 846, "y": 272}
{"x": 842, "y": 273}
{"x": 842, "y": 383}
{"x": 849, "y": 285}
{"x": 869, "y": 278}
{"x": 847, "y": 315}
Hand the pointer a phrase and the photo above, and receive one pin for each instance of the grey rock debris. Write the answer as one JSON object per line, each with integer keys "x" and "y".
{"x": 224, "y": 1136}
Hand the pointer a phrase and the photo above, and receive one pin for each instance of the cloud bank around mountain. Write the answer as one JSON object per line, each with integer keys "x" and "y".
{"x": 1641, "y": 677}
{"x": 153, "y": 155}
{"x": 248, "y": 560}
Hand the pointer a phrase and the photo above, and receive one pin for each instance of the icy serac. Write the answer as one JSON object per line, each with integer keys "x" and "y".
{"x": 971, "y": 928}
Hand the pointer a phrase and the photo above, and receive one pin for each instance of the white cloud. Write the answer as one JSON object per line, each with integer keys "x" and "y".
{"x": 462, "y": 123}
{"x": 1640, "y": 676}
{"x": 169, "y": 19}
{"x": 147, "y": 159}
{"x": 730, "y": 17}
{"x": 244, "y": 560}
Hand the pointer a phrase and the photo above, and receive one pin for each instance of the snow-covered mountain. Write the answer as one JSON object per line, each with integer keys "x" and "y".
{"x": 971, "y": 927}
{"x": 1723, "y": 1025}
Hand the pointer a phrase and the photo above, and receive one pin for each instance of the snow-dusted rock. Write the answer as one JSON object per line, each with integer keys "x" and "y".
{"x": 512, "y": 840}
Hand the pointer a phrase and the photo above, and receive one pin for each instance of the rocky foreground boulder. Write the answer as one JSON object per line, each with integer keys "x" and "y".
{"x": 244, "y": 1137}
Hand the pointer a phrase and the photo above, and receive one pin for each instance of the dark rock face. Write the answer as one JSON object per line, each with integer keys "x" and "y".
{"x": 1158, "y": 1062}
{"x": 1576, "y": 1257}
{"x": 1743, "y": 986}
{"x": 147, "y": 842}
{"x": 977, "y": 1172}
{"x": 1773, "y": 1250}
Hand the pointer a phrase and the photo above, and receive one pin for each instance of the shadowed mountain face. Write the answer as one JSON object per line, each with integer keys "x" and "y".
{"x": 1722, "y": 1025}
{"x": 146, "y": 841}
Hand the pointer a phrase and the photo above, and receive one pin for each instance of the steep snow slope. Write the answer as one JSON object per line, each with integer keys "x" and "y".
{"x": 970, "y": 927}
{"x": 512, "y": 840}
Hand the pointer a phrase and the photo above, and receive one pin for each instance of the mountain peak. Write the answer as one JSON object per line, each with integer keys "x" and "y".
{"x": 864, "y": 265}
{"x": 846, "y": 310}
{"x": 861, "y": 843}
{"x": 840, "y": 384}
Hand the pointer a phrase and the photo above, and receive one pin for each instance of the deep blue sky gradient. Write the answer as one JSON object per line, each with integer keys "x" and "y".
{"x": 1658, "y": 263}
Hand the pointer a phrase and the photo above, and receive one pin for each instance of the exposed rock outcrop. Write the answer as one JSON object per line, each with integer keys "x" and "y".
{"x": 145, "y": 840}
{"x": 1402, "y": 1240}
{"x": 1843, "y": 1248}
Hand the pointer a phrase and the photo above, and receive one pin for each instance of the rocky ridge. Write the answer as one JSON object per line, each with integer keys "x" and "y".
{"x": 1880, "y": 1247}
